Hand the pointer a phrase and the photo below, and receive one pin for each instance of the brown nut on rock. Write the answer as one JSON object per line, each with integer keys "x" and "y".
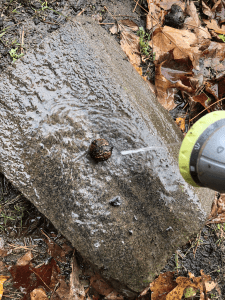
{"x": 100, "y": 150}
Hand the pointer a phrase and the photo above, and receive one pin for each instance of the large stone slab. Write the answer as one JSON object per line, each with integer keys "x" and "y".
{"x": 74, "y": 87}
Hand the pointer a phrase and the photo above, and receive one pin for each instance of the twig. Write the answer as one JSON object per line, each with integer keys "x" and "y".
{"x": 22, "y": 40}
{"x": 124, "y": 16}
{"x": 41, "y": 279}
{"x": 80, "y": 13}
{"x": 110, "y": 13}
{"x": 45, "y": 235}
{"x": 136, "y": 6}
{"x": 22, "y": 247}
{"x": 106, "y": 23}
{"x": 12, "y": 201}
{"x": 55, "y": 288}
{"x": 206, "y": 109}
{"x": 140, "y": 6}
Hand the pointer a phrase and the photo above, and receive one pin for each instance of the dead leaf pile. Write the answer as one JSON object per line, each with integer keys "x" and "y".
{"x": 189, "y": 60}
{"x": 45, "y": 281}
{"x": 165, "y": 287}
{"x": 217, "y": 215}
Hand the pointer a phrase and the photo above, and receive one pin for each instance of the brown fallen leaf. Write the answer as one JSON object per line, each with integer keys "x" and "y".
{"x": 219, "y": 9}
{"x": 100, "y": 285}
{"x": 114, "y": 29}
{"x": 25, "y": 259}
{"x": 3, "y": 251}
{"x": 27, "y": 278}
{"x": 181, "y": 123}
{"x": 129, "y": 23}
{"x": 55, "y": 250}
{"x": 129, "y": 41}
{"x": 124, "y": 25}
{"x": 207, "y": 10}
{"x": 155, "y": 15}
{"x": 104, "y": 288}
{"x": 162, "y": 285}
{"x": 217, "y": 214}
{"x": 166, "y": 89}
{"x": 38, "y": 294}
{"x": 197, "y": 283}
{"x": 63, "y": 291}
{"x": 176, "y": 40}
{"x": 193, "y": 23}
{"x": 212, "y": 24}
{"x": 157, "y": 11}
{"x": 2, "y": 280}
{"x": 76, "y": 289}
{"x": 203, "y": 99}
{"x": 130, "y": 45}
{"x": 114, "y": 296}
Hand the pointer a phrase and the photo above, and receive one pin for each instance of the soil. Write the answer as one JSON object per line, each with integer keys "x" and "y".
{"x": 23, "y": 24}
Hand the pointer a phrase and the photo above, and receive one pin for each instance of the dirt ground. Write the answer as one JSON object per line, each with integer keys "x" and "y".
{"x": 23, "y": 24}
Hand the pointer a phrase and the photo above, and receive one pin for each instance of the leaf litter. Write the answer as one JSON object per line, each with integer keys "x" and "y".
{"x": 187, "y": 49}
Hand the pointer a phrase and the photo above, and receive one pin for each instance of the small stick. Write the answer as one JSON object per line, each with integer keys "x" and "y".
{"x": 106, "y": 23}
{"x": 140, "y": 6}
{"x": 55, "y": 288}
{"x": 45, "y": 235}
{"x": 206, "y": 108}
{"x": 136, "y": 6}
{"x": 80, "y": 13}
{"x": 41, "y": 279}
{"x": 22, "y": 40}
{"x": 110, "y": 13}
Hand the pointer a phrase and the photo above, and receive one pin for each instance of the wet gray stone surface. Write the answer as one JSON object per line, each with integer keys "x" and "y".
{"x": 74, "y": 87}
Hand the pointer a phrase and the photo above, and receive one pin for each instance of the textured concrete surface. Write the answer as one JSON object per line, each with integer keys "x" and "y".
{"x": 74, "y": 87}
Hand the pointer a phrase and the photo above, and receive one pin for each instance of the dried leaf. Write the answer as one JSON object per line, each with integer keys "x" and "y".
{"x": 218, "y": 220}
{"x": 196, "y": 283}
{"x": 55, "y": 251}
{"x": 25, "y": 259}
{"x": 114, "y": 29}
{"x": 76, "y": 289}
{"x": 166, "y": 89}
{"x": 161, "y": 286}
{"x": 130, "y": 24}
{"x": 193, "y": 23}
{"x": 114, "y": 296}
{"x": 130, "y": 45}
{"x": 157, "y": 11}
{"x": 166, "y": 4}
{"x": 217, "y": 214}
{"x": 154, "y": 16}
{"x": 65, "y": 293}
{"x": 212, "y": 24}
{"x": 100, "y": 285}
{"x": 221, "y": 204}
{"x": 3, "y": 252}
{"x": 27, "y": 278}
{"x": 203, "y": 99}
{"x": 192, "y": 12}
{"x": 181, "y": 123}
{"x": 67, "y": 248}
{"x": 210, "y": 285}
{"x": 2, "y": 280}
{"x": 207, "y": 10}
{"x": 180, "y": 41}
{"x": 219, "y": 11}
{"x": 38, "y": 294}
